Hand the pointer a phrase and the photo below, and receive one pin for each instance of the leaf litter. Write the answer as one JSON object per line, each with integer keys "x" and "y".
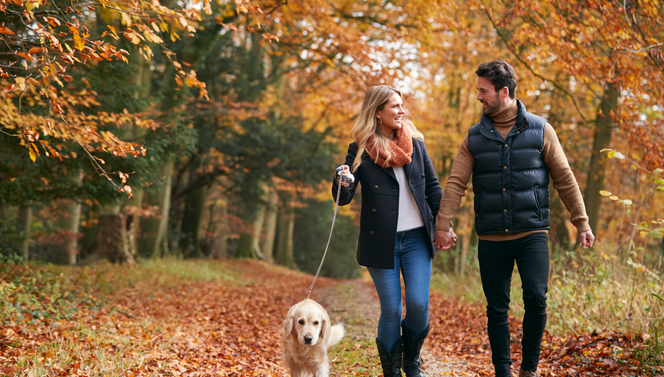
{"x": 155, "y": 325}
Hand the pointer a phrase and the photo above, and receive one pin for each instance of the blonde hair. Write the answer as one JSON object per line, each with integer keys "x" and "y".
{"x": 367, "y": 123}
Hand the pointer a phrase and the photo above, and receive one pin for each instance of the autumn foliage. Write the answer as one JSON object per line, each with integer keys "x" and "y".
{"x": 136, "y": 130}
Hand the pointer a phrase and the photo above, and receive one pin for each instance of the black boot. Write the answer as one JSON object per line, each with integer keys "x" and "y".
{"x": 412, "y": 363}
{"x": 390, "y": 361}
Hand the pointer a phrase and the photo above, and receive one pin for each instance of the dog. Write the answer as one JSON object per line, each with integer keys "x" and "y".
{"x": 306, "y": 335}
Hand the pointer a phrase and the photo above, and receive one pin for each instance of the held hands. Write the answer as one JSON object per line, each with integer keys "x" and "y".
{"x": 444, "y": 240}
{"x": 345, "y": 177}
{"x": 587, "y": 239}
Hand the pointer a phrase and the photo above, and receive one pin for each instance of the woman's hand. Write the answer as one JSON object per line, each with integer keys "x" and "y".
{"x": 444, "y": 240}
{"x": 344, "y": 177}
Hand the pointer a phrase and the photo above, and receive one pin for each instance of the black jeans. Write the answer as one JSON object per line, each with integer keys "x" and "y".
{"x": 496, "y": 258}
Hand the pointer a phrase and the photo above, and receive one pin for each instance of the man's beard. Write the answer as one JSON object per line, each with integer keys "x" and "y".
{"x": 492, "y": 108}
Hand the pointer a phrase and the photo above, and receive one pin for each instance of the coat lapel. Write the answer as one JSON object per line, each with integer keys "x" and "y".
{"x": 408, "y": 168}
{"x": 390, "y": 172}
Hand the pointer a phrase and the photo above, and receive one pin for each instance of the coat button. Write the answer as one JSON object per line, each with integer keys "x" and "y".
{"x": 372, "y": 232}
{"x": 504, "y": 189}
{"x": 507, "y": 230}
{"x": 426, "y": 197}
{"x": 376, "y": 187}
{"x": 423, "y": 175}
{"x": 373, "y": 210}
{"x": 491, "y": 130}
{"x": 505, "y": 145}
{"x": 505, "y": 210}
{"x": 504, "y": 167}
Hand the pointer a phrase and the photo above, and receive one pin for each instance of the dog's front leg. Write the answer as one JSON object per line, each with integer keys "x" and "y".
{"x": 323, "y": 371}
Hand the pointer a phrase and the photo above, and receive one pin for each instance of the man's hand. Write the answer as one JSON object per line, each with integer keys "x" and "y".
{"x": 587, "y": 239}
{"x": 444, "y": 240}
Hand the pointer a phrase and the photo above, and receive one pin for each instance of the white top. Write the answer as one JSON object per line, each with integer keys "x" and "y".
{"x": 409, "y": 213}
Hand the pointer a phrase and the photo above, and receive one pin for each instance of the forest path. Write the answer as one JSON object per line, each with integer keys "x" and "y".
{"x": 224, "y": 318}
{"x": 355, "y": 304}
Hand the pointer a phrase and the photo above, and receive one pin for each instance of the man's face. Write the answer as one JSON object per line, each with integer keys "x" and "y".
{"x": 486, "y": 93}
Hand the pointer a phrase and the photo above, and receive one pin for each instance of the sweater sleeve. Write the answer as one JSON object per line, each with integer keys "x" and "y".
{"x": 456, "y": 186}
{"x": 563, "y": 179}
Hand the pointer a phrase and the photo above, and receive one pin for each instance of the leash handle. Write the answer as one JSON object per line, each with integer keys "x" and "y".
{"x": 336, "y": 208}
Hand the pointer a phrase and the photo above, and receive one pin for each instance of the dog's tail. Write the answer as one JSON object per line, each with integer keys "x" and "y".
{"x": 336, "y": 334}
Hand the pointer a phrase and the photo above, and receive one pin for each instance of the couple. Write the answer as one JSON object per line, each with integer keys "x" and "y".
{"x": 510, "y": 154}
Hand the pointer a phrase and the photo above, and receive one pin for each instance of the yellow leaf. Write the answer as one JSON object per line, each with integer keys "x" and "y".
{"x": 605, "y": 193}
{"x": 132, "y": 37}
{"x": 20, "y": 82}
{"x": 79, "y": 44}
{"x": 126, "y": 20}
{"x": 33, "y": 157}
{"x": 32, "y": 4}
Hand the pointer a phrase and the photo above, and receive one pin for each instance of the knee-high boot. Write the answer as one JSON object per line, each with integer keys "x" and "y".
{"x": 390, "y": 361}
{"x": 412, "y": 344}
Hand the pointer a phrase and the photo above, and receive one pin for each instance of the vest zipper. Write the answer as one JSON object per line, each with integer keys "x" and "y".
{"x": 537, "y": 201}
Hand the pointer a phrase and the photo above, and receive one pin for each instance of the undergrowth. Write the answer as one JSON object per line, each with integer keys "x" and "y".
{"x": 591, "y": 291}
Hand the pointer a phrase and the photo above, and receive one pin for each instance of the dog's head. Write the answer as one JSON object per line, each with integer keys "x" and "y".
{"x": 307, "y": 322}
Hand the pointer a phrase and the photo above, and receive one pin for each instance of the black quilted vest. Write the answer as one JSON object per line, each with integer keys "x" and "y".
{"x": 510, "y": 179}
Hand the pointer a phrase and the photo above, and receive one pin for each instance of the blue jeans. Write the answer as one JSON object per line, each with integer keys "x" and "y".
{"x": 412, "y": 259}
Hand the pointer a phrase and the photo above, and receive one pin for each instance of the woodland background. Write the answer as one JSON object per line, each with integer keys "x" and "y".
{"x": 137, "y": 130}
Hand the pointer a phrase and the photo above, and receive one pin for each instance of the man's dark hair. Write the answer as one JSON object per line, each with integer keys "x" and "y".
{"x": 500, "y": 73}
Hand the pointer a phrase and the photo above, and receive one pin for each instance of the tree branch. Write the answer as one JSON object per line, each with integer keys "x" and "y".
{"x": 525, "y": 64}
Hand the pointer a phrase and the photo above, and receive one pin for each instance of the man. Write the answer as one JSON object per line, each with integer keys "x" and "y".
{"x": 510, "y": 154}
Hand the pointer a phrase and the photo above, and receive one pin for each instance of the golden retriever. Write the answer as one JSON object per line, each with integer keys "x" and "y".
{"x": 306, "y": 335}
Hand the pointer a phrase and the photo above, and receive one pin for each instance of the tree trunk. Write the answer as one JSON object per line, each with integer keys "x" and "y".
{"x": 258, "y": 230}
{"x": 132, "y": 210}
{"x": 192, "y": 218}
{"x": 70, "y": 224}
{"x": 285, "y": 227}
{"x": 269, "y": 226}
{"x": 602, "y": 139}
{"x": 111, "y": 241}
{"x": 24, "y": 222}
{"x": 219, "y": 245}
{"x": 248, "y": 244}
{"x": 153, "y": 241}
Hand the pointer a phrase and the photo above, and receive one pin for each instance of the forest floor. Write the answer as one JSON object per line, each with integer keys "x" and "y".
{"x": 146, "y": 321}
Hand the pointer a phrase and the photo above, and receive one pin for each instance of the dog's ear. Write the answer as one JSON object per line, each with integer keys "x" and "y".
{"x": 287, "y": 328}
{"x": 325, "y": 327}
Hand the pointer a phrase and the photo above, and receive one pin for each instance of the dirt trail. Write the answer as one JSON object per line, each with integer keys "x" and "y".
{"x": 355, "y": 304}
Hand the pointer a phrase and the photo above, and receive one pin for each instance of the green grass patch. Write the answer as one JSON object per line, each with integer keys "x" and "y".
{"x": 355, "y": 358}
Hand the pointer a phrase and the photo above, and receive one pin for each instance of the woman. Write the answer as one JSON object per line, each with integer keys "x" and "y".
{"x": 400, "y": 199}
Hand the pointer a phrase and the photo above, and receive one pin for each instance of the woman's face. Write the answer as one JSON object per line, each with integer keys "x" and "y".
{"x": 391, "y": 116}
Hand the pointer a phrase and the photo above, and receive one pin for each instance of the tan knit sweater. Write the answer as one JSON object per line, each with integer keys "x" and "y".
{"x": 556, "y": 163}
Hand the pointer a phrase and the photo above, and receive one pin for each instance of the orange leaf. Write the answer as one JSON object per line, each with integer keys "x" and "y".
{"x": 35, "y": 50}
{"x": 6, "y": 30}
{"x": 25, "y": 56}
{"x": 52, "y": 21}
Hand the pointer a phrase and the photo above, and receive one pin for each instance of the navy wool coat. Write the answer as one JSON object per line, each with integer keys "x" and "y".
{"x": 380, "y": 203}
